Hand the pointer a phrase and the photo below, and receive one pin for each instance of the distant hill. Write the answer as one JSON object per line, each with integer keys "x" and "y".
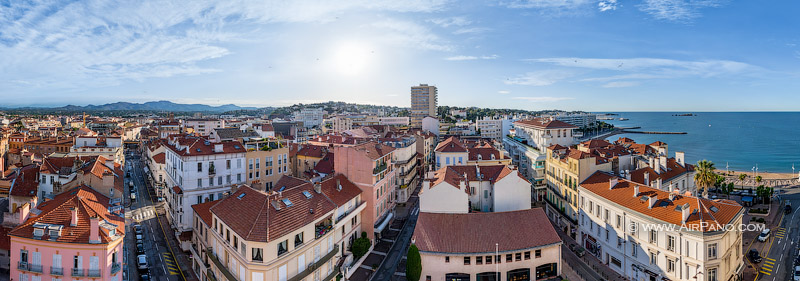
{"x": 149, "y": 106}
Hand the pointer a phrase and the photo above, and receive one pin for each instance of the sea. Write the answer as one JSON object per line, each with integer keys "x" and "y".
{"x": 738, "y": 140}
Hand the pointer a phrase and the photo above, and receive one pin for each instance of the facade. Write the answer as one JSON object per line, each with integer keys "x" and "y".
{"x": 620, "y": 220}
{"x": 394, "y": 121}
{"x": 489, "y": 128}
{"x": 198, "y": 170}
{"x": 58, "y": 174}
{"x": 517, "y": 246}
{"x": 304, "y": 230}
{"x": 203, "y": 126}
{"x": 307, "y": 157}
{"x": 369, "y": 166}
{"x": 423, "y": 103}
{"x": 73, "y": 236}
{"x": 581, "y": 120}
{"x": 431, "y": 124}
{"x": 461, "y": 189}
{"x": 44, "y": 146}
{"x": 107, "y": 147}
{"x": 267, "y": 161}
{"x": 541, "y": 132}
{"x": 405, "y": 161}
{"x": 451, "y": 152}
{"x": 311, "y": 117}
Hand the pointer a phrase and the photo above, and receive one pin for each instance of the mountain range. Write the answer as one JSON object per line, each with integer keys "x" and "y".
{"x": 147, "y": 106}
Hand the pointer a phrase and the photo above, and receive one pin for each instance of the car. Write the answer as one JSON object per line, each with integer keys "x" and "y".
{"x": 133, "y": 196}
{"x": 787, "y": 209}
{"x": 138, "y": 229}
{"x": 796, "y": 276}
{"x": 753, "y": 256}
{"x": 139, "y": 238}
{"x": 764, "y": 235}
{"x": 141, "y": 262}
{"x": 145, "y": 277}
{"x": 139, "y": 248}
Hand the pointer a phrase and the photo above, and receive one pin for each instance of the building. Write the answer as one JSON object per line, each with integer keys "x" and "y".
{"x": 423, "y": 103}
{"x": 431, "y": 124}
{"x": 394, "y": 121}
{"x": 165, "y": 128}
{"x": 543, "y": 132}
{"x": 668, "y": 174}
{"x": 203, "y": 126}
{"x": 451, "y": 152}
{"x": 78, "y": 235}
{"x": 405, "y": 161}
{"x": 369, "y": 166}
{"x": 58, "y": 174}
{"x": 484, "y": 153}
{"x": 516, "y": 245}
{"x": 581, "y": 120}
{"x": 306, "y": 159}
{"x": 232, "y": 134}
{"x": 299, "y": 233}
{"x": 198, "y": 170}
{"x": 461, "y": 189}
{"x": 311, "y": 117}
{"x": 267, "y": 161}
{"x": 44, "y": 146}
{"x": 645, "y": 233}
{"x": 107, "y": 147}
{"x": 489, "y": 128}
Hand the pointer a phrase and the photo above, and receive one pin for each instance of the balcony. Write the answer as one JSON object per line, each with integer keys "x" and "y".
{"x": 55, "y": 270}
{"x": 323, "y": 227}
{"x": 210, "y": 275}
{"x": 228, "y": 275}
{"x": 409, "y": 170}
{"x": 380, "y": 168}
{"x": 318, "y": 265}
{"x": 94, "y": 273}
{"x": 78, "y": 272}
{"x": 115, "y": 267}
{"x": 24, "y": 266}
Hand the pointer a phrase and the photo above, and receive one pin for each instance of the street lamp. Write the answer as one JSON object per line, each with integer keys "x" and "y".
{"x": 497, "y": 262}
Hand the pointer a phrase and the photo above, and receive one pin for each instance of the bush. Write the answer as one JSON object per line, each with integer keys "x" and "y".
{"x": 413, "y": 264}
{"x": 361, "y": 246}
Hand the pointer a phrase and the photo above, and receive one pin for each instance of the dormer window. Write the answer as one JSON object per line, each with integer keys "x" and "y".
{"x": 38, "y": 233}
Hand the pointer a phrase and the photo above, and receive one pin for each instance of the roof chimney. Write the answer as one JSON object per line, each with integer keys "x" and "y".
{"x": 317, "y": 187}
{"x": 24, "y": 211}
{"x": 612, "y": 182}
{"x": 679, "y": 157}
{"x": 652, "y": 201}
{"x": 685, "y": 212}
{"x": 218, "y": 147}
{"x": 338, "y": 185}
{"x": 74, "y": 220}
{"x": 628, "y": 174}
{"x": 658, "y": 183}
{"x": 671, "y": 196}
{"x": 94, "y": 230}
{"x": 636, "y": 191}
{"x": 646, "y": 178}
{"x": 663, "y": 161}
{"x": 657, "y": 166}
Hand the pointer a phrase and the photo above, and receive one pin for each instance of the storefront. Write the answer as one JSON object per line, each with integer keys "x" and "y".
{"x": 456, "y": 277}
{"x": 487, "y": 276}
{"x": 522, "y": 274}
{"x": 546, "y": 271}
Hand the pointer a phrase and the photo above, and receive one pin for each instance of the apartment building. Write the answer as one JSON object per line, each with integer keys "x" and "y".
{"x": 198, "y": 170}
{"x": 461, "y": 189}
{"x": 668, "y": 174}
{"x": 203, "y": 126}
{"x": 502, "y": 246}
{"x": 77, "y": 236}
{"x": 298, "y": 233}
{"x": 307, "y": 157}
{"x": 165, "y": 128}
{"x": 107, "y": 147}
{"x": 431, "y": 124}
{"x": 39, "y": 145}
{"x": 311, "y": 117}
{"x": 423, "y": 103}
{"x": 267, "y": 161}
{"x": 405, "y": 161}
{"x": 58, "y": 174}
{"x": 543, "y": 132}
{"x": 451, "y": 152}
{"x": 698, "y": 238}
{"x": 484, "y": 153}
{"x": 581, "y": 120}
{"x": 369, "y": 166}
{"x": 489, "y": 128}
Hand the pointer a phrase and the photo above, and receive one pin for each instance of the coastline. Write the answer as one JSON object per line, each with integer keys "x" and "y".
{"x": 767, "y": 179}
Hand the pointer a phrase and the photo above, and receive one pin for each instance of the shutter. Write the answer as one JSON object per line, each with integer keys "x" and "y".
{"x": 94, "y": 262}
{"x": 258, "y": 276}
{"x": 57, "y": 261}
{"x": 316, "y": 252}
{"x": 282, "y": 273}
{"x": 301, "y": 263}
{"x": 37, "y": 258}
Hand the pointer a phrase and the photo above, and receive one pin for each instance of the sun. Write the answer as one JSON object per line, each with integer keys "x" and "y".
{"x": 351, "y": 57}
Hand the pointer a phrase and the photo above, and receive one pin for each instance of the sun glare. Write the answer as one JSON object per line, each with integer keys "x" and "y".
{"x": 351, "y": 58}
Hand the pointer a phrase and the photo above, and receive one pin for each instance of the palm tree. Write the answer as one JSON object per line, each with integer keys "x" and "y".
{"x": 758, "y": 179}
{"x": 704, "y": 176}
{"x": 741, "y": 179}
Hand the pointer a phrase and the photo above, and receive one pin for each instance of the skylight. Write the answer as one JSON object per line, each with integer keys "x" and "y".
{"x": 307, "y": 194}
{"x": 287, "y": 202}
{"x": 241, "y": 196}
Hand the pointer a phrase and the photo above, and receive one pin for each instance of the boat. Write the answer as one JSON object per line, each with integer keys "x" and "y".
{"x": 623, "y": 119}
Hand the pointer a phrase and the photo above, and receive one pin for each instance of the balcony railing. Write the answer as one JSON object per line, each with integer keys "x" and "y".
{"x": 228, "y": 275}
{"x": 78, "y": 272}
{"x": 57, "y": 270}
{"x": 21, "y": 265}
{"x": 94, "y": 272}
{"x": 317, "y": 265}
{"x": 116, "y": 267}
{"x": 409, "y": 170}
{"x": 380, "y": 168}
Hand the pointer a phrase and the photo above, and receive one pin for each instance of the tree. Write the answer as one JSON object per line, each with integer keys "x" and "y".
{"x": 361, "y": 246}
{"x": 758, "y": 179}
{"x": 704, "y": 176}
{"x": 413, "y": 264}
{"x": 741, "y": 179}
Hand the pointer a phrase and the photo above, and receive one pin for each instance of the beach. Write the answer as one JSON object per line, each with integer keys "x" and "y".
{"x": 767, "y": 179}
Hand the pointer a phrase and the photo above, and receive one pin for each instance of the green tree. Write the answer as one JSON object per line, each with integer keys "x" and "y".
{"x": 758, "y": 179}
{"x": 741, "y": 179}
{"x": 361, "y": 246}
{"x": 704, "y": 176}
{"x": 413, "y": 264}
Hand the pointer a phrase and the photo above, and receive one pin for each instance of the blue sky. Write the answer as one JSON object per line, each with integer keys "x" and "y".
{"x": 593, "y": 55}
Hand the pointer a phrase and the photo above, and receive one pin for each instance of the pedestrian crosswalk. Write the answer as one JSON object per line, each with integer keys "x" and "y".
{"x": 144, "y": 215}
{"x": 780, "y": 233}
{"x": 170, "y": 262}
{"x": 768, "y": 266}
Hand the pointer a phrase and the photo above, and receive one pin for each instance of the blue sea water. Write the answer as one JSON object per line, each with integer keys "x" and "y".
{"x": 740, "y": 139}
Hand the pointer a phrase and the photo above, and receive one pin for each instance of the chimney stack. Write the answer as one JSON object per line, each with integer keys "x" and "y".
{"x": 612, "y": 182}
{"x": 652, "y": 201}
{"x": 628, "y": 174}
{"x": 646, "y": 178}
{"x": 218, "y": 147}
{"x": 651, "y": 162}
{"x": 663, "y": 161}
{"x": 338, "y": 185}
{"x": 24, "y": 211}
{"x": 679, "y": 157}
{"x": 657, "y": 166}
{"x": 685, "y": 212}
{"x": 658, "y": 183}
{"x": 318, "y": 187}
{"x": 636, "y": 191}
{"x": 74, "y": 220}
{"x": 94, "y": 230}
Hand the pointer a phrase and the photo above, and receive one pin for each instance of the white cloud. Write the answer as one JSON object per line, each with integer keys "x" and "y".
{"x": 462, "y": 58}
{"x": 451, "y": 21}
{"x": 470, "y": 30}
{"x": 655, "y": 66}
{"x": 620, "y": 84}
{"x": 539, "y": 78}
{"x": 677, "y": 10}
{"x": 503, "y": 92}
{"x": 607, "y": 5}
{"x": 410, "y": 34}
{"x": 527, "y": 4}
{"x": 543, "y": 99}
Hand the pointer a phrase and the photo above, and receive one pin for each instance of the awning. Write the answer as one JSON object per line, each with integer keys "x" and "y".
{"x": 385, "y": 222}
{"x": 747, "y": 199}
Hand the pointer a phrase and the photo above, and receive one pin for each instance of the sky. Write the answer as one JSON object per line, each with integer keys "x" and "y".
{"x": 591, "y": 55}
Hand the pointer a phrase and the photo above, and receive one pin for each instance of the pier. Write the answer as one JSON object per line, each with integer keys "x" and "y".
{"x": 631, "y": 130}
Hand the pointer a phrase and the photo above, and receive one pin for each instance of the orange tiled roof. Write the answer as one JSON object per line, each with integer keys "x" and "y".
{"x": 672, "y": 170}
{"x": 545, "y": 123}
{"x": 451, "y": 144}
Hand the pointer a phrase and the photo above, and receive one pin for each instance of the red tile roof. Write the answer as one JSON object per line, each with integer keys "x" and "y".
{"x": 455, "y": 174}
{"x": 712, "y": 212}
{"x": 197, "y": 146}
{"x": 545, "y": 123}
{"x": 88, "y": 203}
{"x": 26, "y": 182}
{"x": 451, "y": 144}
{"x": 672, "y": 170}
{"x": 478, "y": 232}
{"x": 326, "y": 165}
{"x": 160, "y": 158}
{"x": 486, "y": 153}
{"x": 340, "y": 197}
{"x": 177, "y": 190}
{"x": 373, "y": 150}
{"x": 203, "y": 211}
{"x": 314, "y": 151}
{"x": 289, "y": 181}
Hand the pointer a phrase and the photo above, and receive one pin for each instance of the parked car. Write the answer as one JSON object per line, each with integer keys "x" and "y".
{"x": 141, "y": 261}
{"x": 753, "y": 256}
{"x": 139, "y": 248}
{"x": 788, "y": 208}
{"x": 764, "y": 235}
{"x": 139, "y": 238}
{"x": 796, "y": 276}
{"x": 138, "y": 229}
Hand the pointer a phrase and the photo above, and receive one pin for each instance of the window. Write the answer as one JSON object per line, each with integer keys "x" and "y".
{"x": 466, "y": 260}
{"x": 619, "y": 221}
{"x": 199, "y": 167}
{"x": 235, "y": 242}
{"x": 488, "y": 259}
{"x": 653, "y": 257}
{"x": 447, "y": 259}
{"x": 671, "y": 243}
{"x": 712, "y": 252}
{"x": 527, "y": 255}
{"x": 283, "y": 247}
{"x": 249, "y": 164}
{"x": 199, "y": 199}
{"x": 634, "y": 247}
{"x": 298, "y": 239}
{"x": 670, "y": 265}
{"x": 228, "y": 164}
{"x": 653, "y": 236}
{"x": 509, "y": 258}
{"x": 518, "y": 256}
{"x": 712, "y": 274}
{"x": 633, "y": 229}
{"x": 199, "y": 182}
{"x": 538, "y": 253}
{"x": 258, "y": 163}
{"x": 478, "y": 260}
{"x": 228, "y": 235}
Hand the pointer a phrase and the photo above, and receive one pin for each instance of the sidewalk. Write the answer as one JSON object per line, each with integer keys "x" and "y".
{"x": 748, "y": 237}
{"x": 181, "y": 257}
{"x": 587, "y": 267}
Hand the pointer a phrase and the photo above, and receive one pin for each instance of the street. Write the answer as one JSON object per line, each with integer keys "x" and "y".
{"x": 158, "y": 249}
{"x": 780, "y": 250}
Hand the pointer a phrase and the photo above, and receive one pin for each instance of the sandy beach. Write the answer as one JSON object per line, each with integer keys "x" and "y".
{"x": 767, "y": 179}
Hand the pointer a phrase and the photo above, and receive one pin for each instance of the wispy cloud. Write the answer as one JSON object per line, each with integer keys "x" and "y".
{"x": 620, "y": 84}
{"x": 538, "y": 4}
{"x": 655, "y": 66}
{"x": 451, "y": 21}
{"x": 539, "y": 78}
{"x": 463, "y": 58}
{"x": 410, "y": 34}
{"x": 677, "y": 10}
{"x": 543, "y": 99}
{"x": 503, "y": 92}
{"x": 607, "y": 5}
{"x": 471, "y": 30}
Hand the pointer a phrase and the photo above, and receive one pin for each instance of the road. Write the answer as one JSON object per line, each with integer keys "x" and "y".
{"x": 780, "y": 250}
{"x": 143, "y": 211}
